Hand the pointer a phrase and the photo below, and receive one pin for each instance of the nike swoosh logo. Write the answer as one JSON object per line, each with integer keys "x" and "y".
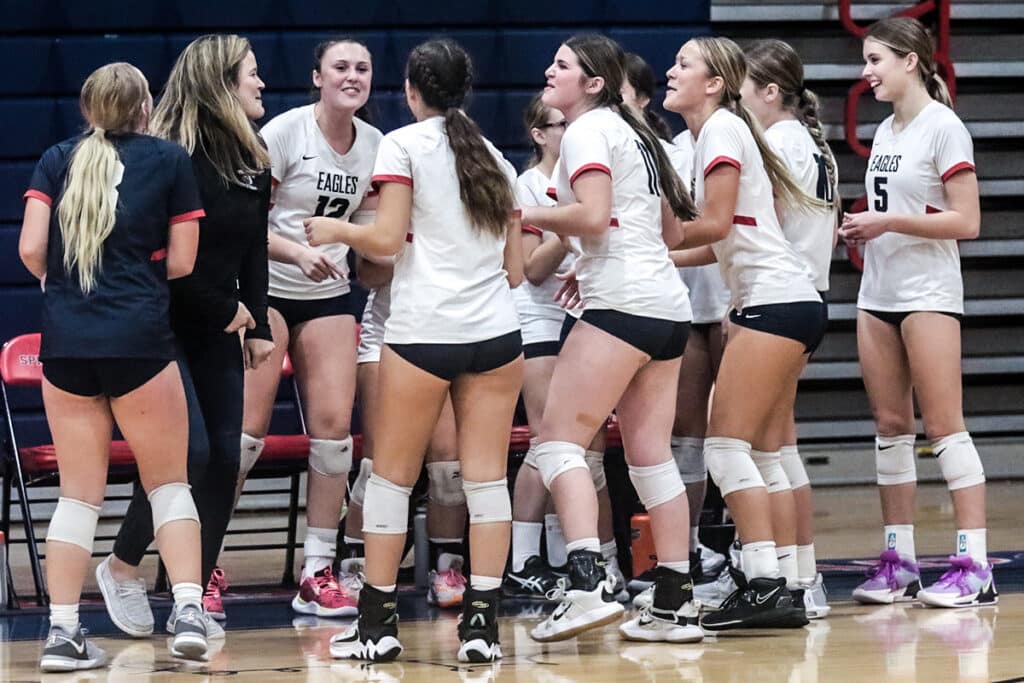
{"x": 885, "y": 448}
{"x": 307, "y": 158}
{"x": 751, "y": 317}
{"x": 79, "y": 648}
{"x": 762, "y": 599}
{"x": 938, "y": 453}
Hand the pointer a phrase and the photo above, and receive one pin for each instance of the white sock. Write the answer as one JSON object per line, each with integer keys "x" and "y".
{"x": 555, "y": 541}
{"x": 593, "y": 544}
{"x": 609, "y": 550}
{"x": 187, "y": 594}
{"x": 973, "y": 542}
{"x": 760, "y": 560}
{"x": 788, "y": 564}
{"x": 484, "y": 583}
{"x": 694, "y": 538}
{"x": 390, "y": 588}
{"x": 900, "y": 537}
{"x": 318, "y": 550}
{"x": 65, "y": 616}
{"x": 807, "y": 562}
{"x": 681, "y": 567}
{"x": 525, "y": 542}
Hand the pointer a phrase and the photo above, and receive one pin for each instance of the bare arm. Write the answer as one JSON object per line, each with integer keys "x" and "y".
{"x": 513, "y": 255}
{"x": 383, "y": 237}
{"x": 542, "y": 258}
{"x": 35, "y": 236}
{"x": 182, "y": 246}
{"x": 372, "y": 274}
{"x": 590, "y": 215}
{"x": 721, "y": 190}
{"x": 687, "y": 258}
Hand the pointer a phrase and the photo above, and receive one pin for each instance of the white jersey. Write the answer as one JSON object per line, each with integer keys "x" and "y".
{"x": 311, "y": 179}
{"x": 810, "y": 231}
{"x": 371, "y": 330}
{"x": 758, "y": 264}
{"x": 449, "y": 284}
{"x": 539, "y": 314}
{"x": 906, "y": 175}
{"x": 709, "y": 297}
{"x": 626, "y": 268}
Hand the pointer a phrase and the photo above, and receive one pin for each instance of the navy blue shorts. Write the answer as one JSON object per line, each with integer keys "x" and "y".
{"x": 448, "y": 361}
{"x": 803, "y": 321}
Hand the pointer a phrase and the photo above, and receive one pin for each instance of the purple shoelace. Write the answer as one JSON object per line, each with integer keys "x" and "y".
{"x": 888, "y": 563}
{"x": 958, "y": 573}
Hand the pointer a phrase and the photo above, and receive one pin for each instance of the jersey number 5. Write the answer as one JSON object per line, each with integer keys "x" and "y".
{"x": 881, "y": 194}
{"x": 338, "y": 206}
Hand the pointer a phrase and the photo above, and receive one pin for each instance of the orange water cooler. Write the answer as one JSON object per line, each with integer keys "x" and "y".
{"x": 642, "y": 544}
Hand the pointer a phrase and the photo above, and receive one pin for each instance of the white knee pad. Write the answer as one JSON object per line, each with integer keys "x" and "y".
{"x": 386, "y": 507}
{"x": 959, "y": 460}
{"x": 444, "y": 483}
{"x": 531, "y": 455}
{"x": 894, "y": 459}
{"x": 595, "y": 461}
{"x": 74, "y": 521}
{"x": 251, "y": 450}
{"x": 556, "y": 457}
{"x": 793, "y": 465}
{"x": 730, "y": 465}
{"x": 172, "y": 502}
{"x": 488, "y": 501}
{"x": 657, "y": 484}
{"x": 358, "y": 493}
{"x": 770, "y": 467}
{"x": 688, "y": 452}
{"x": 330, "y": 457}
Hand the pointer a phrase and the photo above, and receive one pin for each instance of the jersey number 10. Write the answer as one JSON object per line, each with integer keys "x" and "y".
{"x": 824, "y": 191}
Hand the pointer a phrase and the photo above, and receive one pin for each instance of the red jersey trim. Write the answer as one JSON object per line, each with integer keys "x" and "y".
{"x": 372, "y": 192}
{"x": 551, "y": 193}
{"x": 533, "y": 230}
{"x": 190, "y": 216}
{"x": 41, "y": 196}
{"x": 517, "y": 213}
{"x": 274, "y": 182}
{"x": 717, "y": 161}
{"x": 408, "y": 237}
{"x": 589, "y": 167}
{"x": 377, "y": 180}
{"x": 158, "y": 255}
{"x": 962, "y": 166}
{"x": 744, "y": 220}
{"x": 931, "y": 209}
{"x": 613, "y": 223}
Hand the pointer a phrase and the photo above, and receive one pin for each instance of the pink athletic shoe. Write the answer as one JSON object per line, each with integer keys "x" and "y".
{"x": 966, "y": 584}
{"x": 447, "y": 587}
{"x": 893, "y": 579}
{"x": 212, "y": 601}
{"x": 321, "y": 596}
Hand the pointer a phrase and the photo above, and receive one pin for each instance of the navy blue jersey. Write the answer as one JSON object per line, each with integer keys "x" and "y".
{"x": 126, "y": 314}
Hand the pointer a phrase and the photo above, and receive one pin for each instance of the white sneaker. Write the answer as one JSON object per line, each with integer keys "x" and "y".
{"x": 713, "y": 594}
{"x": 578, "y": 611}
{"x": 214, "y": 631}
{"x": 645, "y": 598}
{"x": 126, "y": 601}
{"x": 664, "y": 626}
{"x": 816, "y": 598}
{"x": 710, "y": 562}
{"x": 618, "y": 581}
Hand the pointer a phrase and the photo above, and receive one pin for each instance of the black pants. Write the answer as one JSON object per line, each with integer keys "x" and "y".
{"x": 212, "y": 372}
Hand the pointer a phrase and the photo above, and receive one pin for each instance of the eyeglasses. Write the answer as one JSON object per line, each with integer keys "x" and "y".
{"x": 557, "y": 124}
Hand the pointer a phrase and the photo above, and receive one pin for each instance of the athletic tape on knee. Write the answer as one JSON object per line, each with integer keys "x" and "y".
{"x": 488, "y": 501}
{"x": 770, "y": 467}
{"x": 358, "y": 492}
{"x": 730, "y": 465}
{"x": 74, "y": 521}
{"x": 444, "y": 483}
{"x": 251, "y": 449}
{"x": 557, "y": 457}
{"x": 531, "y": 455}
{"x": 595, "y": 461}
{"x": 793, "y": 465}
{"x": 959, "y": 461}
{"x": 656, "y": 484}
{"x": 386, "y": 507}
{"x": 331, "y": 457}
{"x": 688, "y": 452}
{"x": 172, "y": 502}
{"x": 894, "y": 459}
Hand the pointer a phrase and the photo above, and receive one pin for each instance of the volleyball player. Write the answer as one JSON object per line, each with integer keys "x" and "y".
{"x": 624, "y": 351}
{"x": 453, "y": 328}
{"x": 776, "y": 315}
{"x": 775, "y": 93}
{"x": 922, "y": 197}
{"x": 110, "y": 216}
{"x": 321, "y": 159}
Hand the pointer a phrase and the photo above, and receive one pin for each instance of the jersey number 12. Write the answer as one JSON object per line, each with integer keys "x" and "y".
{"x": 338, "y": 206}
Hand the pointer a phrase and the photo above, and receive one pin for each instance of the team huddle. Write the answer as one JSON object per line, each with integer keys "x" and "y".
{"x": 624, "y": 272}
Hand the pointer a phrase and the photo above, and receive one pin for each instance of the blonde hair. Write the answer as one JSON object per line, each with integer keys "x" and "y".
{"x": 775, "y": 61}
{"x": 199, "y": 107}
{"x": 113, "y": 100}
{"x": 724, "y": 59}
{"x": 904, "y": 35}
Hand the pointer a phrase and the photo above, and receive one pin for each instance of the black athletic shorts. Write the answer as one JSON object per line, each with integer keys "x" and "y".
{"x": 298, "y": 311}
{"x": 659, "y": 338}
{"x": 567, "y": 324}
{"x": 803, "y": 321}
{"x": 101, "y": 376}
{"x": 448, "y": 361}
{"x": 541, "y": 349}
{"x": 897, "y": 317}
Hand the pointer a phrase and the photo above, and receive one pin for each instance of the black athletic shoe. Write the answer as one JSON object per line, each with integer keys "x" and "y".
{"x": 640, "y": 583}
{"x": 70, "y": 651}
{"x": 534, "y": 580}
{"x": 478, "y": 627}
{"x": 759, "y": 603}
{"x": 374, "y": 635}
{"x": 697, "y": 569}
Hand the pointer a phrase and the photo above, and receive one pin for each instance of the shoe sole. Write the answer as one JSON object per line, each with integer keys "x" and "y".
{"x": 818, "y": 613}
{"x": 62, "y": 664}
{"x": 315, "y": 609}
{"x": 909, "y": 594}
{"x": 389, "y": 655}
{"x": 576, "y": 630}
{"x": 219, "y": 616}
{"x": 479, "y": 652}
{"x": 134, "y": 633}
{"x": 940, "y": 602}
{"x": 189, "y": 647}
{"x": 653, "y": 637}
{"x": 786, "y": 617}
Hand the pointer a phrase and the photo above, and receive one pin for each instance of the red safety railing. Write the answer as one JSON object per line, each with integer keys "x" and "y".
{"x": 945, "y": 65}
